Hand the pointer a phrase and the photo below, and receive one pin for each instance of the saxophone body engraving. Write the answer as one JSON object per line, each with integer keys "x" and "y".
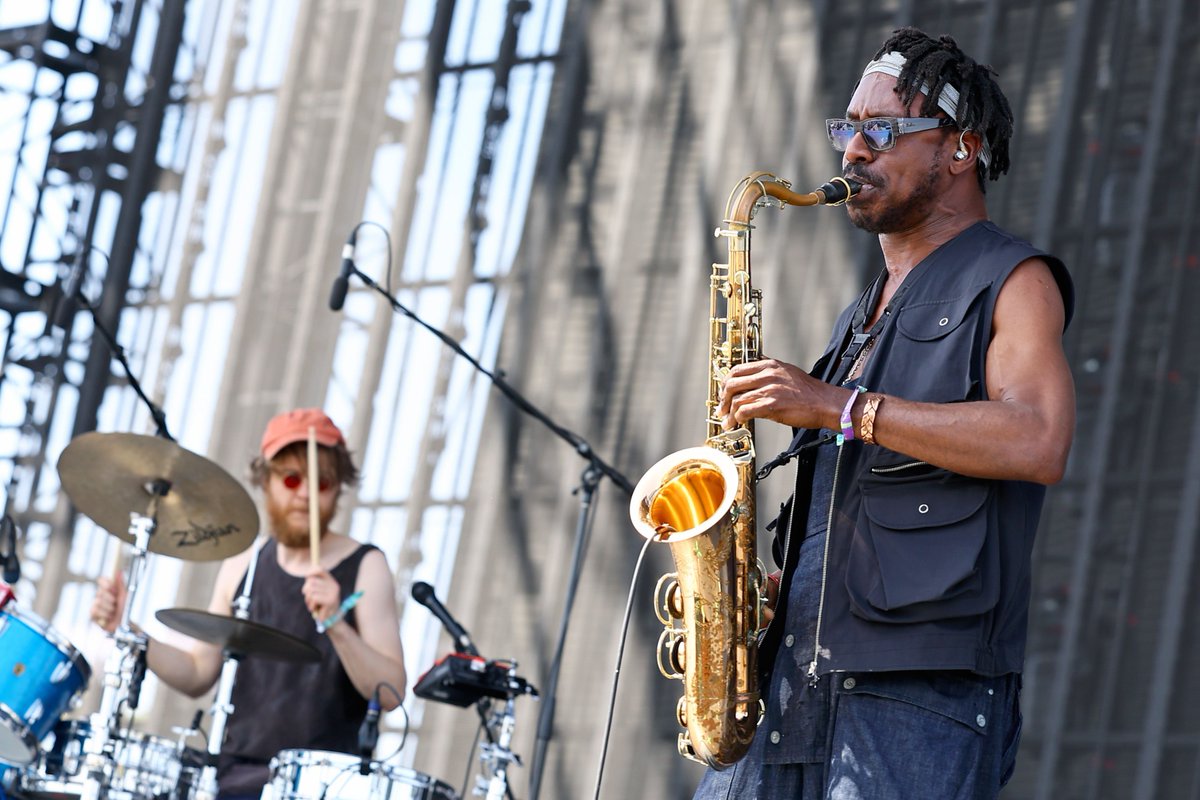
{"x": 700, "y": 501}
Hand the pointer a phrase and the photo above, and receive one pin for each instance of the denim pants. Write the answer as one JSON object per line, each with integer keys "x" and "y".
{"x": 893, "y": 736}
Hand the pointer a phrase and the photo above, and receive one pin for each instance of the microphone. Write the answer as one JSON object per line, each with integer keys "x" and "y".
{"x": 64, "y": 312}
{"x": 135, "y": 679}
{"x": 368, "y": 734}
{"x": 12, "y": 565}
{"x": 341, "y": 284}
{"x": 423, "y": 593}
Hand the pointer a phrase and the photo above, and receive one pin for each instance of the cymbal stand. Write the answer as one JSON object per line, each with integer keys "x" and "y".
{"x": 222, "y": 707}
{"x": 125, "y": 664}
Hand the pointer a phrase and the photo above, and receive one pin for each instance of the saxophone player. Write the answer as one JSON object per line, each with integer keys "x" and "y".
{"x": 928, "y": 431}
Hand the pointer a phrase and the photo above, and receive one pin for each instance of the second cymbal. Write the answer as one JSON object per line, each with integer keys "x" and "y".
{"x": 205, "y": 514}
{"x": 241, "y": 637}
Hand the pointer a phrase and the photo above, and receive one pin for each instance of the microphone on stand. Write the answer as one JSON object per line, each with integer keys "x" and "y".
{"x": 12, "y": 565}
{"x": 368, "y": 734}
{"x": 135, "y": 680}
{"x": 68, "y": 301}
{"x": 423, "y": 593}
{"x": 341, "y": 284}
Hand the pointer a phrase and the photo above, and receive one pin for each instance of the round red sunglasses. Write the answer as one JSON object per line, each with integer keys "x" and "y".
{"x": 292, "y": 480}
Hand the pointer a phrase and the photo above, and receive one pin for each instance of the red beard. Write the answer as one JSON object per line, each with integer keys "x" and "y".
{"x": 288, "y": 531}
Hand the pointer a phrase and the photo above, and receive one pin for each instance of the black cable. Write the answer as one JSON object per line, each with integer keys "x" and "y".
{"x": 471, "y": 759}
{"x": 612, "y": 700}
{"x": 399, "y": 705}
{"x": 118, "y": 352}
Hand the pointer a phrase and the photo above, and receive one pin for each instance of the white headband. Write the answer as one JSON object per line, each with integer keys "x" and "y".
{"x": 891, "y": 64}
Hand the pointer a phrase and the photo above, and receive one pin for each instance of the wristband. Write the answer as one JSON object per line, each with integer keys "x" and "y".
{"x": 847, "y": 424}
{"x": 866, "y": 427}
{"x": 347, "y": 604}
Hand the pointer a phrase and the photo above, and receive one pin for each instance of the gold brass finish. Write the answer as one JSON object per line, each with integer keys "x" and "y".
{"x": 700, "y": 501}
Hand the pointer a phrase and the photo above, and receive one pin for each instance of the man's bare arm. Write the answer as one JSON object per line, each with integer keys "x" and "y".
{"x": 1022, "y": 432}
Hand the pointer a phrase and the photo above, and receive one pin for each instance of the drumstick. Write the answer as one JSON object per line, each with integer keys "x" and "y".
{"x": 314, "y": 500}
{"x": 118, "y": 564}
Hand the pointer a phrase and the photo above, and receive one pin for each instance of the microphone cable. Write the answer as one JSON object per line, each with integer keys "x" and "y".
{"x": 612, "y": 700}
{"x": 407, "y": 724}
{"x": 466, "y": 779}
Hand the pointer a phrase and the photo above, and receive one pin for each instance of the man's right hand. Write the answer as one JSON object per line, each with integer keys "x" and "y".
{"x": 109, "y": 603}
{"x": 768, "y": 611}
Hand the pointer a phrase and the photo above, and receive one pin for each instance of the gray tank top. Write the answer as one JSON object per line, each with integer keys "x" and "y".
{"x": 279, "y": 705}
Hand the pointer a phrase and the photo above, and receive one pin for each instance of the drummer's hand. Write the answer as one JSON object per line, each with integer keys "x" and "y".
{"x": 322, "y": 594}
{"x": 109, "y": 602}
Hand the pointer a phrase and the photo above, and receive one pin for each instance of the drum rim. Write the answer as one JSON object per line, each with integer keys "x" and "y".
{"x": 9, "y": 718}
{"x": 282, "y": 758}
{"x": 60, "y": 642}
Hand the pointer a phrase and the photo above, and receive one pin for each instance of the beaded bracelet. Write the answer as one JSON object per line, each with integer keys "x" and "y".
{"x": 846, "y": 422}
{"x": 347, "y": 604}
{"x": 866, "y": 426}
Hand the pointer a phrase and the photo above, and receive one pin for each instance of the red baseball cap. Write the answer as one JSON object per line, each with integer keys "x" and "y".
{"x": 292, "y": 426}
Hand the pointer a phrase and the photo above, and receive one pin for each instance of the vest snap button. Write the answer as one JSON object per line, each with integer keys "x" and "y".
{"x": 943, "y": 322}
{"x": 923, "y": 508}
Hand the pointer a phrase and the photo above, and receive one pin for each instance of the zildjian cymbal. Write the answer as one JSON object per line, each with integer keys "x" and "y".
{"x": 202, "y": 513}
{"x": 238, "y": 637}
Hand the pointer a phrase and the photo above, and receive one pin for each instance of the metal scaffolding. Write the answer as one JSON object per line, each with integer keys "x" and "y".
{"x": 547, "y": 174}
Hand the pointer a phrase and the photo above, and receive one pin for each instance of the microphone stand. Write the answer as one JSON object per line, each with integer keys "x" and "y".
{"x": 596, "y": 469}
{"x": 118, "y": 352}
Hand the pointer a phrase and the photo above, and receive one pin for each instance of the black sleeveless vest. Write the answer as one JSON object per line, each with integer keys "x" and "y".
{"x": 927, "y": 569}
{"x": 279, "y": 705}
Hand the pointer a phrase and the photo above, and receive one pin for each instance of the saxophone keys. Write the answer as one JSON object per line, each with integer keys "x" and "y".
{"x": 677, "y": 657}
{"x": 668, "y": 599}
{"x": 669, "y": 642}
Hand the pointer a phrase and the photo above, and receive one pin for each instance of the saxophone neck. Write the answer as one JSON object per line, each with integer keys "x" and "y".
{"x": 761, "y": 188}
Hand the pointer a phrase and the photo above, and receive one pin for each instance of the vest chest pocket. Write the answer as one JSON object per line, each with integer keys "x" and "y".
{"x": 935, "y": 319}
{"x": 918, "y": 550}
{"x": 936, "y": 353}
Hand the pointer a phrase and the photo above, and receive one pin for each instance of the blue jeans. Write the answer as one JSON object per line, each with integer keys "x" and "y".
{"x": 893, "y": 736}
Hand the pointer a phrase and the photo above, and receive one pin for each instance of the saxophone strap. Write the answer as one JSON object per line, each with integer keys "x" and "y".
{"x": 794, "y": 450}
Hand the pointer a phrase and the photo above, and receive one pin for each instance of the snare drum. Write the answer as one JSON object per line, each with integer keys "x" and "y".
{"x": 41, "y": 674}
{"x": 309, "y": 774}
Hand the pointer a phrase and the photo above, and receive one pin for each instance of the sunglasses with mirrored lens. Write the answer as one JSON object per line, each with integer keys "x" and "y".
{"x": 292, "y": 480}
{"x": 880, "y": 133}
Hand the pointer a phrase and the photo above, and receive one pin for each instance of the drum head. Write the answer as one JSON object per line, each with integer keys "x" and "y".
{"x": 18, "y": 745}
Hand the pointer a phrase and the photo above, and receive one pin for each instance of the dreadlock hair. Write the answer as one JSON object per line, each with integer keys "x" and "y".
{"x": 982, "y": 106}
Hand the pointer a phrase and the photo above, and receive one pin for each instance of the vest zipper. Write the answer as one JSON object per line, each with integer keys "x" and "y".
{"x": 813, "y": 677}
{"x": 898, "y": 467}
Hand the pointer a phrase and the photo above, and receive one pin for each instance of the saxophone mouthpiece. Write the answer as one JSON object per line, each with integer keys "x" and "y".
{"x": 836, "y": 191}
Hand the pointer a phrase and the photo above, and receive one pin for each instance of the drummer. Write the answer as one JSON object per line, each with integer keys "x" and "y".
{"x": 280, "y": 705}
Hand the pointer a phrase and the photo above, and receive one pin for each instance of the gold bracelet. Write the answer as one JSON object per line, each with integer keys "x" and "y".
{"x": 866, "y": 425}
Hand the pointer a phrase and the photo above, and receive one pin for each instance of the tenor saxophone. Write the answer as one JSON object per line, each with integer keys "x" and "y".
{"x": 700, "y": 501}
